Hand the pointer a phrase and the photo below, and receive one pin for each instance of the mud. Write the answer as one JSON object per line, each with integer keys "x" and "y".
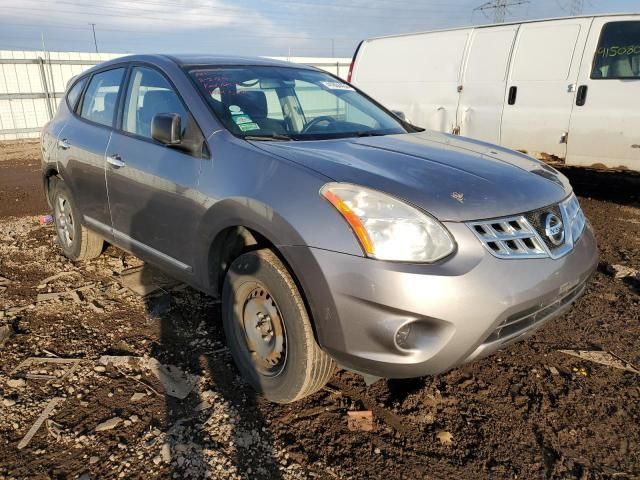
{"x": 527, "y": 412}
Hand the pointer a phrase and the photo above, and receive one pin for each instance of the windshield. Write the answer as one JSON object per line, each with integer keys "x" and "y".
{"x": 282, "y": 103}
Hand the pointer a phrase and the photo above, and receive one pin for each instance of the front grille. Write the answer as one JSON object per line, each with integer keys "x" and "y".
{"x": 524, "y": 235}
{"x": 512, "y": 237}
{"x": 519, "y": 323}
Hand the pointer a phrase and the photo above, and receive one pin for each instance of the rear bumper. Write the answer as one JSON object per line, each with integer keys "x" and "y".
{"x": 460, "y": 310}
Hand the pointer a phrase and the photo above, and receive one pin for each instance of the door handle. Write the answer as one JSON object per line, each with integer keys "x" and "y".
{"x": 513, "y": 93}
{"x": 64, "y": 144}
{"x": 115, "y": 161}
{"x": 581, "y": 97}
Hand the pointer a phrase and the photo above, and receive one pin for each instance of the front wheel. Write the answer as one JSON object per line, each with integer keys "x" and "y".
{"x": 268, "y": 329}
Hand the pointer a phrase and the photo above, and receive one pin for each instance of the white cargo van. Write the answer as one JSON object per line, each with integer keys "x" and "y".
{"x": 566, "y": 89}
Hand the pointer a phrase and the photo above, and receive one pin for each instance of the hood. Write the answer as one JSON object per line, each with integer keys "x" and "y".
{"x": 452, "y": 178}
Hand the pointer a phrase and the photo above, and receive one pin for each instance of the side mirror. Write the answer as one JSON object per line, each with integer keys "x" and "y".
{"x": 166, "y": 128}
{"x": 399, "y": 114}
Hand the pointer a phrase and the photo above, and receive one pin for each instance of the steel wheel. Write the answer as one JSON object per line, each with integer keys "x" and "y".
{"x": 264, "y": 332}
{"x": 268, "y": 329}
{"x": 64, "y": 221}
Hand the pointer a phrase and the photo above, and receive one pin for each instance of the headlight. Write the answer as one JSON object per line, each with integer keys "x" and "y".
{"x": 387, "y": 228}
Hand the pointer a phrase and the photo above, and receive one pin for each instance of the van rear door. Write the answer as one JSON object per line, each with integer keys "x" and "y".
{"x": 605, "y": 122}
{"x": 541, "y": 86}
{"x": 484, "y": 82}
{"x": 418, "y": 75}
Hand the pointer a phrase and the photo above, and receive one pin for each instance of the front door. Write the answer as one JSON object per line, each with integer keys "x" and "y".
{"x": 152, "y": 187}
{"x": 541, "y": 86}
{"x": 605, "y": 122}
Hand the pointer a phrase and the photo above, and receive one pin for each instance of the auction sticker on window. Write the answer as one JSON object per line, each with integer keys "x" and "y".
{"x": 248, "y": 127}
{"x": 337, "y": 86}
{"x": 240, "y": 119}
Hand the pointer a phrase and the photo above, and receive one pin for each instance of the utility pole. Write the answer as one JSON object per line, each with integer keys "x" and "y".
{"x": 499, "y": 8}
{"x": 95, "y": 42}
{"x": 576, "y": 7}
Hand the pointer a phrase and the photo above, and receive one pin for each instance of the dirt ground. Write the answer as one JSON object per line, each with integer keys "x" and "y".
{"x": 528, "y": 412}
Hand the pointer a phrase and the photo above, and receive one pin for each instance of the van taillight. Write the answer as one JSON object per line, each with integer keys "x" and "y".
{"x": 353, "y": 61}
{"x": 350, "y": 72}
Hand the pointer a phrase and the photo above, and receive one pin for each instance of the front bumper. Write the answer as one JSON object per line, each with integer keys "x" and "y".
{"x": 460, "y": 310}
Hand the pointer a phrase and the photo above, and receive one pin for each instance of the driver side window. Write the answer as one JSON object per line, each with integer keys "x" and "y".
{"x": 149, "y": 93}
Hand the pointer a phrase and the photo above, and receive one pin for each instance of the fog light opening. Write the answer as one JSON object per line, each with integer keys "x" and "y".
{"x": 402, "y": 336}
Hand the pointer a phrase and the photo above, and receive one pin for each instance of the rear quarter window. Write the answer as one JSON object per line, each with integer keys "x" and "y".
{"x": 73, "y": 95}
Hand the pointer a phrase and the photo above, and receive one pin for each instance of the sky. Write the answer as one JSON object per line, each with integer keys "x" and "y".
{"x": 331, "y": 28}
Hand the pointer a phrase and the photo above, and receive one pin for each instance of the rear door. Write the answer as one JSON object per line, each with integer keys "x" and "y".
{"x": 605, "y": 122}
{"x": 418, "y": 75}
{"x": 153, "y": 194}
{"x": 484, "y": 81}
{"x": 541, "y": 86}
{"x": 82, "y": 145}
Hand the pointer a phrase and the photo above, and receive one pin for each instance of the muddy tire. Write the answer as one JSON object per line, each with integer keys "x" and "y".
{"x": 268, "y": 330}
{"x": 77, "y": 242}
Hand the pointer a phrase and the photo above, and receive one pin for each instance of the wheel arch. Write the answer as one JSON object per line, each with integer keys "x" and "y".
{"x": 238, "y": 227}
{"x": 49, "y": 177}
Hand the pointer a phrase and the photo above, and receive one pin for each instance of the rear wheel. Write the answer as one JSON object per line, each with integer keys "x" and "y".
{"x": 77, "y": 242}
{"x": 268, "y": 329}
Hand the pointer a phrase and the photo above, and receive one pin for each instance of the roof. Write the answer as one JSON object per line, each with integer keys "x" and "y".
{"x": 187, "y": 60}
{"x": 471, "y": 27}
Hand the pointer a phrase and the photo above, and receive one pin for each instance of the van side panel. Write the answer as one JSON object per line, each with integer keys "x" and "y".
{"x": 417, "y": 74}
{"x": 544, "y": 70}
{"x": 605, "y": 129}
{"x": 484, "y": 82}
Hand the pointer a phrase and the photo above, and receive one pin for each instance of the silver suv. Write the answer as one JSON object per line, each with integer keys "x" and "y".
{"x": 333, "y": 231}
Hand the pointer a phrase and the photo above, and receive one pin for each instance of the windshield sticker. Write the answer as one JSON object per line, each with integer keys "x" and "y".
{"x": 235, "y": 109}
{"x": 241, "y": 119}
{"x": 248, "y": 127}
{"x": 337, "y": 86}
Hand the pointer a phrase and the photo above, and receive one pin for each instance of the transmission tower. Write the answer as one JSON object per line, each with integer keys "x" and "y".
{"x": 576, "y": 7}
{"x": 499, "y": 8}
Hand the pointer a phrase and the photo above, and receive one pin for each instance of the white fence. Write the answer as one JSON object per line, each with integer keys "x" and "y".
{"x": 32, "y": 84}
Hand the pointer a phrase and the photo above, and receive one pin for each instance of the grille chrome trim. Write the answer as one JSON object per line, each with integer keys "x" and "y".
{"x": 516, "y": 237}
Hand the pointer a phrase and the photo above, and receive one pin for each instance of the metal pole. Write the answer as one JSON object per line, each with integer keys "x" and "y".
{"x": 95, "y": 42}
{"x": 43, "y": 77}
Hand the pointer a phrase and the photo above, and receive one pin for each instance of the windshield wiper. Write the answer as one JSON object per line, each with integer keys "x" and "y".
{"x": 268, "y": 138}
{"x": 369, "y": 134}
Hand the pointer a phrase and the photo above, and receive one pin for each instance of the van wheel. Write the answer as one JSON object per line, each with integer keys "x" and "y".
{"x": 76, "y": 241}
{"x": 268, "y": 330}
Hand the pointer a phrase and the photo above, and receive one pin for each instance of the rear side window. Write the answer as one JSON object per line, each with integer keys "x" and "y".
{"x": 100, "y": 100}
{"x": 75, "y": 92}
{"x": 149, "y": 93}
{"x": 618, "y": 53}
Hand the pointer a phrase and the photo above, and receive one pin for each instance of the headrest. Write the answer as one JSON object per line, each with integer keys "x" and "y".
{"x": 252, "y": 102}
{"x": 160, "y": 101}
{"x": 110, "y": 100}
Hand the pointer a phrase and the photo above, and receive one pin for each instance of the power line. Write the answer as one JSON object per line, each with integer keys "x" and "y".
{"x": 499, "y": 8}
{"x": 577, "y": 6}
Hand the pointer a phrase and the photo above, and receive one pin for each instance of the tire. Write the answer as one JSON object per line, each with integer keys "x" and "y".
{"x": 77, "y": 242}
{"x": 256, "y": 284}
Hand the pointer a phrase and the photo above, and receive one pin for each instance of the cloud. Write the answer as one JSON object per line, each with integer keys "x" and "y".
{"x": 149, "y": 15}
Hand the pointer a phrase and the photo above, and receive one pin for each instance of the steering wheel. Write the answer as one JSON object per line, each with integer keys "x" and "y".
{"x": 316, "y": 121}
